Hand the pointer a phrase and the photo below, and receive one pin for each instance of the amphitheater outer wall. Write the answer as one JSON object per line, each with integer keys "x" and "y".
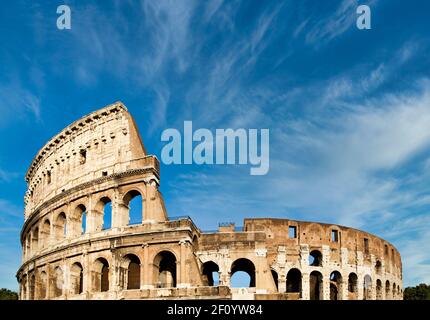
{"x": 71, "y": 250}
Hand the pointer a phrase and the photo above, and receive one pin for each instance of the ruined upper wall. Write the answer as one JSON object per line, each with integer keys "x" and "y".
{"x": 102, "y": 143}
{"x": 317, "y": 235}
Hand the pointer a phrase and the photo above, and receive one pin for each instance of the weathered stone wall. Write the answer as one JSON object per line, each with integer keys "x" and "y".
{"x": 99, "y": 160}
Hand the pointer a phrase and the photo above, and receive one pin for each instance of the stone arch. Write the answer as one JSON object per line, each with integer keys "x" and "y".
{"x": 195, "y": 243}
{"x": 35, "y": 239}
{"x": 165, "y": 269}
{"x": 294, "y": 281}
{"x": 101, "y": 276}
{"x": 133, "y": 201}
{"x": 60, "y": 226}
{"x": 378, "y": 267}
{"x": 244, "y": 265}
{"x": 45, "y": 232}
{"x": 210, "y": 268}
{"x": 80, "y": 215}
{"x": 367, "y": 287}
{"x": 77, "y": 278}
{"x": 275, "y": 278}
{"x": 32, "y": 286}
{"x": 43, "y": 285}
{"x": 387, "y": 290}
{"x": 352, "y": 286}
{"x": 28, "y": 245}
{"x": 314, "y": 233}
{"x": 315, "y": 258}
{"x": 315, "y": 285}
{"x": 24, "y": 287}
{"x": 133, "y": 265}
{"x": 379, "y": 289}
{"x": 103, "y": 213}
{"x": 336, "y": 286}
{"x": 58, "y": 282}
{"x": 394, "y": 290}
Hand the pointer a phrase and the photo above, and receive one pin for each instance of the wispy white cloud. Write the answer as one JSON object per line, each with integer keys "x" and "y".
{"x": 338, "y": 167}
{"x": 18, "y": 102}
{"x": 336, "y": 24}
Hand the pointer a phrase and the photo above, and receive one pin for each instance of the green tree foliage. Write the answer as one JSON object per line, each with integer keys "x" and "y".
{"x": 6, "y": 294}
{"x": 420, "y": 292}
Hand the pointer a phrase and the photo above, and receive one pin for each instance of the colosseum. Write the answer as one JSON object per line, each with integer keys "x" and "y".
{"x": 80, "y": 242}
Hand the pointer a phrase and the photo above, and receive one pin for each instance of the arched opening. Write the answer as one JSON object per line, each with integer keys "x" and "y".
{"x": 58, "y": 282}
{"x": 367, "y": 288}
{"x": 105, "y": 207}
{"x": 210, "y": 273}
{"x": 77, "y": 278}
{"x": 101, "y": 275}
{"x": 35, "y": 240}
{"x": 387, "y": 290}
{"x": 24, "y": 287}
{"x": 242, "y": 273}
{"x": 315, "y": 258}
{"x": 60, "y": 226}
{"x": 43, "y": 285}
{"x": 133, "y": 201}
{"x": 352, "y": 286}
{"x": 335, "y": 286}
{"x": 81, "y": 216}
{"x": 378, "y": 267}
{"x": 32, "y": 287}
{"x": 46, "y": 232}
{"x": 378, "y": 289}
{"x": 315, "y": 285}
{"x": 275, "y": 278}
{"x": 28, "y": 246}
{"x": 294, "y": 281}
{"x": 195, "y": 243}
{"x": 133, "y": 272}
{"x": 394, "y": 290}
{"x": 165, "y": 267}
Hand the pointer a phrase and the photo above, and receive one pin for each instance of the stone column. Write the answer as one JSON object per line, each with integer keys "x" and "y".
{"x": 66, "y": 279}
{"x": 86, "y": 285}
{"x": 344, "y": 290}
{"x": 183, "y": 279}
{"x": 146, "y": 271}
{"x": 360, "y": 286}
{"x": 282, "y": 282}
{"x": 325, "y": 287}
{"x": 305, "y": 286}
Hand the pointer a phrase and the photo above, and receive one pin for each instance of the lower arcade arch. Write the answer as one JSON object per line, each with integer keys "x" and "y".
{"x": 242, "y": 273}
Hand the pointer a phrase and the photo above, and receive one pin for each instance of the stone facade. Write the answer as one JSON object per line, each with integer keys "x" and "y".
{"x": 99, "y": 161}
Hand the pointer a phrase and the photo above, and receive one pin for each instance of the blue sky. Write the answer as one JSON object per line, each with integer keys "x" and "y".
{"x": 348, "y": 110}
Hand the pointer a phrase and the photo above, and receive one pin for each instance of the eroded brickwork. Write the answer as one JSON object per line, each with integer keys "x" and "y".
{"x": 99, "y": 161}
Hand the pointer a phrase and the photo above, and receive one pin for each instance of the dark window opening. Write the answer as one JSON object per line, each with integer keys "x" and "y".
{"x": 133, "y": 272}
{"x": 334, "y": 236}
{"x": 275, "y": 278}
{"x": 366, "y": 245}
{"x": 48, "y": 177}
{"x": 315, "y": 285}
{"x": 165, "y": 263}
{"x": 83, "y": 154}
{"x": 294, "y": 281}
{"x": 104, "y": 173}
